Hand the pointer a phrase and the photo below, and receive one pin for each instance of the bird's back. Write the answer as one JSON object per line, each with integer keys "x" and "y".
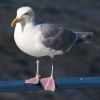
{"x": 61, "y": 38}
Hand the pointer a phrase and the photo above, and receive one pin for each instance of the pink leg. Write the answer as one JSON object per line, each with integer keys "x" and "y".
{"x": 34, "y": 80}
{"x": 48, "y": 83}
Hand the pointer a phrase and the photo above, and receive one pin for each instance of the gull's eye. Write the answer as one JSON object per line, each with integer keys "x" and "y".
{"x": 26, "y": 14}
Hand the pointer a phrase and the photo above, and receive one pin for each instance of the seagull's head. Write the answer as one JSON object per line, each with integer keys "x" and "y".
{"x": 24, "y": 14}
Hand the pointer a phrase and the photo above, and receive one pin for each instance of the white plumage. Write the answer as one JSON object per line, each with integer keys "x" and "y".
{"x": 28, "y": 36}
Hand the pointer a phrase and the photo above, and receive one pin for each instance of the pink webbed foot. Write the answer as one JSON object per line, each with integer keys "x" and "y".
{"x": 48, "y": 83}
{"x": 34, "y": 80}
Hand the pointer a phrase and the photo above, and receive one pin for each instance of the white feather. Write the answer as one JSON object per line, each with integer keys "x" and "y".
{"x": 28, "y": 37}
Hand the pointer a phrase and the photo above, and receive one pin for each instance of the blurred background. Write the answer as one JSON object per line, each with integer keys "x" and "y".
{"x": 82, "y": 60}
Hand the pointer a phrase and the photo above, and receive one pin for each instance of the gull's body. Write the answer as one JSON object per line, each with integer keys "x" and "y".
{"x": 43, "y": 40}
{"x": 30, "y": 41}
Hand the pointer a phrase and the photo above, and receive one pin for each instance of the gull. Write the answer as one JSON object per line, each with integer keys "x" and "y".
{"x": 45, "y": 39}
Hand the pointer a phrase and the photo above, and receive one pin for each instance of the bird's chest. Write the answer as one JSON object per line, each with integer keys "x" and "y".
{"x": 29, "y": 43}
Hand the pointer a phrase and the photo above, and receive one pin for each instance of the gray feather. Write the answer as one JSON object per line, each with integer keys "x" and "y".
{"x": 58, "y": 38}
{"x": 61, "y": 38}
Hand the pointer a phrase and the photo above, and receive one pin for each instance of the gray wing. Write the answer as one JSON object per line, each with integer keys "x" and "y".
{"x": 58, "y": 38}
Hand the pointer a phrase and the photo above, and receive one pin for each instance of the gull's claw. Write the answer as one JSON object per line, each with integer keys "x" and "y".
{"x": 48, "y": 83}
{"x": 34, "y": 80}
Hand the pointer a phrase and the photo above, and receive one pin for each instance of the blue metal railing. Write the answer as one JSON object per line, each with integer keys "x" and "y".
{"x": 67, "y": 82}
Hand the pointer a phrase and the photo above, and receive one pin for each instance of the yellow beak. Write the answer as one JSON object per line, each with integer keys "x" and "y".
{"x": 15, "y": 21}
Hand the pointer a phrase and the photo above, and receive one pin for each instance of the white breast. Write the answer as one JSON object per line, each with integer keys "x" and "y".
{"x": 29, "y": 41}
